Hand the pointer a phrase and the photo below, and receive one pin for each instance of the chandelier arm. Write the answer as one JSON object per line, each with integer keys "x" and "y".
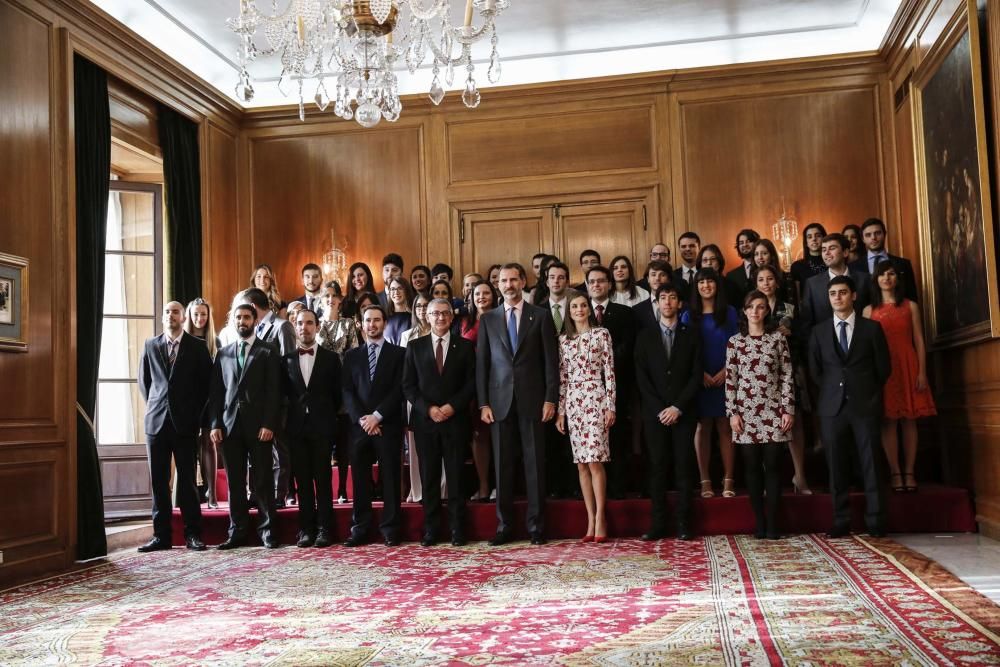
{"x": 418, "y": 10}
{"x": 459, "y": 35}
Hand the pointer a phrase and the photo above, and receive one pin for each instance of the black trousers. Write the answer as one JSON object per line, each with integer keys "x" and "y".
{"x": 387, "y": 450}
{"x": 433, "y": 447}
{"x": 864, "y": 434}
{"x": 240, "y": 449}
{"x": 561, "y": 477}
{"x": 281, "y": 465}
{"x": 665, "y": 444}
{"x": 525, "y": 434}
{"x": 184, "y": 449}
{"x": 314, "y": 479}
{"x": 762, "y": 466}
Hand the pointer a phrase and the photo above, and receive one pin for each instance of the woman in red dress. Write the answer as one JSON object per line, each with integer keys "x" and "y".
{"x": 906, "y": 396}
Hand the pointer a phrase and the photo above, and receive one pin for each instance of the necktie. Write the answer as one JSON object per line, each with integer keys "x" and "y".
{"x": 688, "y": 275}
{"x": 260, "y": 328}
{"x": 439, "y": 356}
{"x": 172, "y": 352}
{"x": 512, "y": 329}
{"x": 843, "y": 335}
{"x": 557, "y": 317}
{"x": 371, "y": 361}
{"x": 668, "y": 341}
{"x": 303, "y": 350}
{"x": 241, "y": 358}
{"x": 309, "y": 302}
{"x": 875, "y": 260}
{"x": 599, "y": 311}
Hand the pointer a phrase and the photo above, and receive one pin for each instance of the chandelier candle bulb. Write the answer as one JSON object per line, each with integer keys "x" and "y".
{"x": 468, "y": 13}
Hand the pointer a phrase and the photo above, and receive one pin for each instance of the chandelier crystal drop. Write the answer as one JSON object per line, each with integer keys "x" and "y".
{"x": 352, "y": 48}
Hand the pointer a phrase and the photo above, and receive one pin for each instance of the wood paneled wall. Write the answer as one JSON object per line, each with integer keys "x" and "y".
{"x": 38, "y": 391}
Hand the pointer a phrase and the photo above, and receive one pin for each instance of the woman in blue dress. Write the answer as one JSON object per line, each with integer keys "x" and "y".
{"x": 717, "y": 321}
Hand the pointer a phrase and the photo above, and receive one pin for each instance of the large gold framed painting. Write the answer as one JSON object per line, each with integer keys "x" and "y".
{"x": 956, "y": 217}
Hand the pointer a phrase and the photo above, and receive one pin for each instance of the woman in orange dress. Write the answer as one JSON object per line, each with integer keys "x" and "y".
{"x": 906, "y": 396}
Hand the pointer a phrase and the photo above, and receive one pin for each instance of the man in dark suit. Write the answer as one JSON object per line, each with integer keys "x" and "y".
{"x": 668, "y": 373}
{"x": 815, "y": 297}
{"x": 647, "y": 314}
{"x": 243, "y": 409}
{"x": 620, "y": 323}
{"x": 280, "y": 334}
{"x": 873, "y": 236}
{"x": 658, "y": 253}
{"x": 439, "y": 380}
{"x": 373, "y": 395}
{"x": 174, "y": 373}
{"x": 849, "y": 360}
{"x": 517, "y": 378}
{"x": 689, "y": 245}
{"x": 312, "y": 385}
{"x": 312, "y": 283}
{"x": 589, "y": 258}
{"x": 740, "y": 276}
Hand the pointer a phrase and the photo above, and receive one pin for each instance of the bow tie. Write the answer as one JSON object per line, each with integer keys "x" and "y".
{"x": 303, "y": 350}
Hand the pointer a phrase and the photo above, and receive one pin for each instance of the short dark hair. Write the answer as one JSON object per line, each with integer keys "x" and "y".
{"x": 689, "y": 235}
{"x": 871, "y": 222}
{"x": 842, "y": 280}
{"x": 839, "y": 238}
{"x": 556, "y": 265}
{"x": 658, "y": 265}
{"x": 600, "y": 269}
{"x": 590, "y": 252}
{"x": 257, "y": 297}
{"x": 420, "y": 267}
{"x": 375, "y": 306}
{"x": 394, "y": 259}
{"x": 667, "y": 288}
{"x": 310, "y": 311}
{"x": 751, "y": 235}
{"x": 539, "y": 255}
{"x": 441, "y": 267}
{"x": 246, "y": 306}
{"x": 312, "y": 266}
{"x": 514, "y": 265}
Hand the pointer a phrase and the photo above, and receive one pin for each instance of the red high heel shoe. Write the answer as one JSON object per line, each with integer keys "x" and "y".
{"x": 600, "y": 539}
{"x": 587, "y": 538}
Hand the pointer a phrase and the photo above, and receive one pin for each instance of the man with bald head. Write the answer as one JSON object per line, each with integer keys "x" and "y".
{"x": 174, "y": 373}
{"x": 658, "y": 253}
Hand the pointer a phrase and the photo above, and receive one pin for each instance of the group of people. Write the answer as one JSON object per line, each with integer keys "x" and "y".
{"x": 550, "y": 376}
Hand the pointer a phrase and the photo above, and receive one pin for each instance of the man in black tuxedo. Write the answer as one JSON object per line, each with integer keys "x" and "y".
{"x": 517, "y": 378}
{"x": 849, "y": 360}
{"x": 439, "y": 380}
{"x": 740, "y": 276}
{"x": 689, "y": 245}
{"x": 620, "y": 323}
{"x": 312, "y": 283}
{"x": 280, "y": 334}
{"x": 373, "y": 395}
{"x": 873, "y": 236}
{"x": 815, "y": 297}
{"x": 244, "y": 408}
{"x": 174, "y": 372}
{"x": 312, "y": 385}
{"x": 668, "y": 373}
{"x": 647, "y": 314}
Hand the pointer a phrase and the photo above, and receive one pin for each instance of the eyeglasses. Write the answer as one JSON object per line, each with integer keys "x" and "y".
{"x": 659, "y": 255}
{"x": 439, "y": 313}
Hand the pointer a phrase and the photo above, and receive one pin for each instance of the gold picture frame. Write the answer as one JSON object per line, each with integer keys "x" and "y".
{"x": 13, "y": 303}
{"x": 953, "y": 187}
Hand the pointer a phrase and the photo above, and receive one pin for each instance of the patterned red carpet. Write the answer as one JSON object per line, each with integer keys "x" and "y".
{"x": 722, "y": 600}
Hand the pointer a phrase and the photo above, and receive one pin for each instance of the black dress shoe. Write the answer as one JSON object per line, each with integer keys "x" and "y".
{"x": 500, "y": 539}
{"x": 305, "y": 540}
{"x": 760, "y": 534}
{"x": 773, "y": 536}
{"x": 392, "y": 541}
{"x": 428, "y": 541}
{"x": 684, "y": 534}
{"x": 457, "y": 540}
{"x": 194, "y": 543}
{"x": 537, "y": 539}
{"x": 323, "y": 539}
{"x": 279, "y": 504}
{"x": 877, "y": 532}
{"x": 838, "y": 531}
{"x": 355, "y": 541}
{"x": 232, "y": 543}
{"x": 155, "y": 544}
{"x": 653, "y": 535}
{"x": 270, "y": 542}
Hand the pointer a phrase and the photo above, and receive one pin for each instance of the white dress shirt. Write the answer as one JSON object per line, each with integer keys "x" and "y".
{"x": 518, "y": 311}
{"x": 307, "y": 361}
{"x": 850, "y": 327}
{"x": 687, "y": 272}
{"x": 445, "y": 342}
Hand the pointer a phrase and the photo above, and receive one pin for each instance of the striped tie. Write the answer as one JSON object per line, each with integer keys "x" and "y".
{"x": 172, "y": 352}
{"x": 371, "y": 361}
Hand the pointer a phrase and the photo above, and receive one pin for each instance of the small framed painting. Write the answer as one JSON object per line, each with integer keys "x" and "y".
{"x": 13, "y": 303}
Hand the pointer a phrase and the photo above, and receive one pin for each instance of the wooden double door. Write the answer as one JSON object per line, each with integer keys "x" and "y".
{"x": 500, "y": 235}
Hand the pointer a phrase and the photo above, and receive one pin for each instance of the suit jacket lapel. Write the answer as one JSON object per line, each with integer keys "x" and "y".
{"x": 525, "y": 325}
{"x": 501, "y": 329}
{"x": 181, "y": 344}
{"x": 251, "y": 355}
{"x": 297, "y": 371}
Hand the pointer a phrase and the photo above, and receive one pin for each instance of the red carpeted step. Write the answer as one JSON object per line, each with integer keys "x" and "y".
{"x": 932, "y": 509}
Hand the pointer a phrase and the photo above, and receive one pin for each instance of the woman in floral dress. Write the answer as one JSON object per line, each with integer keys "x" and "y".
{"x": 760, "y": 404}
{"x": 587, "y": 406}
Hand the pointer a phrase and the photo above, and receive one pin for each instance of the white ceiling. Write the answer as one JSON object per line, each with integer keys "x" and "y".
{"x": 552, "y": 40}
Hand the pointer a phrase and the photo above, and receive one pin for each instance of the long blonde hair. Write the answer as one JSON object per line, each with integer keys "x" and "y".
{"x": 209, "y": 324}
{"x": 273, "y": 295}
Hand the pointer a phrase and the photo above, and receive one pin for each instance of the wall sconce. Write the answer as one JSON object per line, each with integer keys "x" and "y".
{"x": 784, "y": 232}
{"x": 335, "y": 263}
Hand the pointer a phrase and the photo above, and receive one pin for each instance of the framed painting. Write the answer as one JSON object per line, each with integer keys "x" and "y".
{"x": 953, "y": 187}
{"x": 13, "y": 303}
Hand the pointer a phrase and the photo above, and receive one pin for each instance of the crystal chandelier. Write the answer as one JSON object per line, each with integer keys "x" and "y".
{"x": 335, "y": 262}
{"x": 352, "y": 47}
{"x": 785, "y": 230}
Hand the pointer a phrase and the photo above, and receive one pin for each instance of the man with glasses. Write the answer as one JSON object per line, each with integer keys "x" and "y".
{"x": 658, "y": 253}
{"x": 439, "y": 380}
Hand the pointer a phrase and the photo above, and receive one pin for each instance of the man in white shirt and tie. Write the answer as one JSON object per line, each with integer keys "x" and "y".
{"x": 689, "y": 245}
{"x": 815, "y": 299}
{"x": 312, "y": 283}
{"x": 874, "y": 237}
{"x": 557, "y": 280}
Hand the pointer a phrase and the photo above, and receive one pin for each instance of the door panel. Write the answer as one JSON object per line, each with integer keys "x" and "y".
{"x": 497, "y": 237}
{"x": 614, "y": 228}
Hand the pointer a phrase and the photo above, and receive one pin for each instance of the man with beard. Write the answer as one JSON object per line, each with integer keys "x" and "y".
{"x": 683, "y": 278}
{"x": 741, "y": 275}
{"x": 312, "y": 283}
{"x": 873, "y": 236}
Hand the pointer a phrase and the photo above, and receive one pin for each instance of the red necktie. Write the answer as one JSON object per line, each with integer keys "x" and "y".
{"x": 600, "y": 314}
{"x": 303, "y": 350}
{"x": 439, "y": 356}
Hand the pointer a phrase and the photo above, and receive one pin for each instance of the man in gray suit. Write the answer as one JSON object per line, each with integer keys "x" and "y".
{"x": 281, "y": 335}
{"x": 517, "y": 378}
